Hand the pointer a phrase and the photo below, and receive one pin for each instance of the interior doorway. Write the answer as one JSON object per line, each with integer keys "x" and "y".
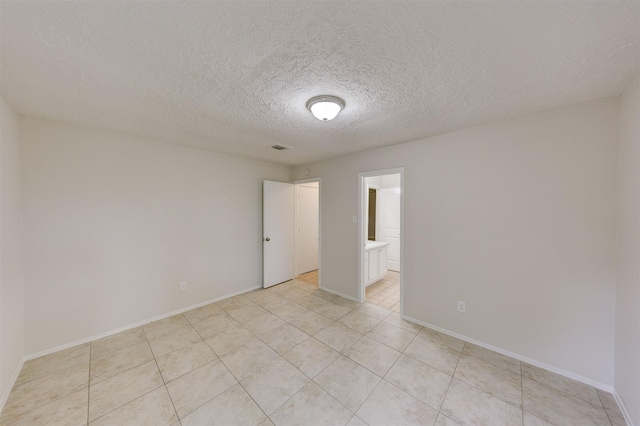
{"x": 307, "y": 260}
{"x": 381, "y": 212}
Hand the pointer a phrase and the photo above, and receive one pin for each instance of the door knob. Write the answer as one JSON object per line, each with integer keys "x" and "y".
{"x": 267, "y": 239}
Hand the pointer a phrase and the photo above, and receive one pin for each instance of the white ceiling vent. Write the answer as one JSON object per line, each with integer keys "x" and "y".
{"x": 280, "y": 147}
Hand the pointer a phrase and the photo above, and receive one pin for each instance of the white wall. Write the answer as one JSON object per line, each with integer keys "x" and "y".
{"x": 516, "y": 218}
{"x": 627, "y": 339}
{"x": 11, "y": 262}
{"x": 114, "y": 223}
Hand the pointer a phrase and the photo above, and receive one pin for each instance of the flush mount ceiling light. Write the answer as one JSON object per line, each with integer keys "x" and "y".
{"x": 325, "y": 107}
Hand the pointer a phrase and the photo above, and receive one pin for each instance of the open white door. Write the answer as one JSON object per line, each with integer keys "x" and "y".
{"x": 278, "y": 239}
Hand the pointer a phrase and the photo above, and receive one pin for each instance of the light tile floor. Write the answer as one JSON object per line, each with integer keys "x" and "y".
{"x": 309, "y": 277}
{"x": 293, "y": 354}
{"x": 386, "y": 292}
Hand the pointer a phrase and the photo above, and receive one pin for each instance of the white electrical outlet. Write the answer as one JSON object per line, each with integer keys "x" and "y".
{"x": 461, "y": 307}
{"x": 183, "y": 286}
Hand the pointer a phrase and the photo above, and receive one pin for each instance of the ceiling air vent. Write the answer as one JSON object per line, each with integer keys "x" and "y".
{"x": 280, "y": 147}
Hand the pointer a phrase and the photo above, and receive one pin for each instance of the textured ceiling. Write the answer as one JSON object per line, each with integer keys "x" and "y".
{"x": 234, "y": 77}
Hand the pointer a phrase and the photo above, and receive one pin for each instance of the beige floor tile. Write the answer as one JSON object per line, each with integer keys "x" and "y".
{"x": 284, "y": 338}
{"x": 616, "y": 418}
{"x": 246, "y": 313}
{"x": 44, "y": 390}
{"x": 165, "y": 325}
{"x": 487, "y": 377}
{"x": 311, "y": 357}
{"x": 612, "y": 409}
{"x": 356, "y": 421}
{"x": 308, "y": 286}
{"x": 325, "y": 295}
{"x": 608, "y": 400}
{"x": 154, "y": 408}
{"x": 274, "y": 384}
{"x": 258, "y": 295}
{"x": 557, "y": 407}
{"x": 443, "y": 420}
{"x": 119, "y": 361}
{"x": 52, "y": 363}
{"x": 421, "y": 381}
{"x": 396, "y": 308}
{"x": 338, "y": 336}
{"x": 248, "y": 358}
{"x": 184, "y": 360}
{"x": 273, "y": 302}
{"x": 374, "y": 311}
{"x": 105, "y": 346}
{"x": 529, "y": 419}
{"x": 389, "y": 405}
{"x": 492, "y": 357}
{"x": 213, "y": 325}
{"x": 332, "y": 311}
{"x": 232, "y": 337}
{"x": 295, "y": 293}
{"x": 233, "y": 302}
{"x": 199, "y": 386}
{"x": 203, "y": 312}
{"x": 175, "y": 339}
{"x": 311, "y": 322}
{"x": 311, "y": 406}
{"x": 266, "y": 422}
{"x": 373, "y": 355}
{"x": 346, "y": 303}
{"x": 264, "y": 324}
{"x": 358, "y": 321}
{"x": 289, "y": 311}
{"x": 386, "y": 303}
{"x": 284, "y": 287}
{"x": 348, "y": 382}
{"x": 68, "y": 410}
{"x": 470, "y": 406}
{"x": 444, "y": 339}
{"x": 232, "y": 407}
{"x": 118, "y": 390}
{"x": 391, "y": 336}
{"x": 311, "y": 302}
{"x": 434, "y": 354}
{"x": 561, "y": 383}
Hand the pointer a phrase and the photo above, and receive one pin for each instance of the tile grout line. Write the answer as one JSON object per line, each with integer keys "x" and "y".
{"x": 155, "y": 359}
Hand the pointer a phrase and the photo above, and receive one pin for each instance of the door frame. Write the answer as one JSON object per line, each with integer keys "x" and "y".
{"x": 362, "y": 232}
{"x": 295, "y": 184}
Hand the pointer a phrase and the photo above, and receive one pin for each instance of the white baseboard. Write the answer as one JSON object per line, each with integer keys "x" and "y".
{"x": 130, "y": 326}
{"x": 328, "y": 290}
{"x": 12, "y": 382}
{"x": 556, "y": 370}
{"x": 623, "y": 409}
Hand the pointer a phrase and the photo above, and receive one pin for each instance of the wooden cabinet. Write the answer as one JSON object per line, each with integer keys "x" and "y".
{"x": 375, "y": 262}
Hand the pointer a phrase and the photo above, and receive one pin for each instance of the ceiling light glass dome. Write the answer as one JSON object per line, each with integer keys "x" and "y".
{"x": 325, "y": 107}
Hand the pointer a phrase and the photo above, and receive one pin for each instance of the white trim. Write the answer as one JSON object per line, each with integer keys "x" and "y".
{"x": 328, "y": 290}
{"x": 623, "y": 409}
{"x": 362, "y": 232}
{"x": 12, "y": 382}
{"x": 551, "y": 368}
{"x": 130, "y": 326}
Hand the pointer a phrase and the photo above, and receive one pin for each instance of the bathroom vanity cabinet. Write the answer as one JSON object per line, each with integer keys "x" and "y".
{"x": 375, "y": 261}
